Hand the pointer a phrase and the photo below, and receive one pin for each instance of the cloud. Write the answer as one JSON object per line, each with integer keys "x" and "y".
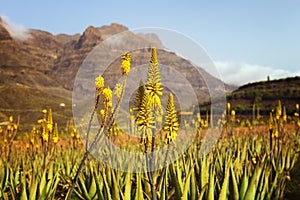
{"x": 239, "y": 73}
{"x": 16, "y": 31}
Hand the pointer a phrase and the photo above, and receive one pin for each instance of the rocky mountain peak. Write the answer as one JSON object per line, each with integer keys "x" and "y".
{"x": 90, "y": 37}
{"x": 4, "y": 34}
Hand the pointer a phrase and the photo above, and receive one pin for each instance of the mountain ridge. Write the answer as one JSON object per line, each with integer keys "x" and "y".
{"x": 39, "y": 72}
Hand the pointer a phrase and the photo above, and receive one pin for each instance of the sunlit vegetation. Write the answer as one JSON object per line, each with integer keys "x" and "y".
{"x": 255, "y": 158}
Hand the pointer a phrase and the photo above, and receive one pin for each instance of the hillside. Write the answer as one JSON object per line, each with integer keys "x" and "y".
{"x": 265, "y": 94}
{"x": 39, "y": 72}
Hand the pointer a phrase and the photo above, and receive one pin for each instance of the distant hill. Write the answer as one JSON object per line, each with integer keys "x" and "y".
{"x": 265, "y": 94}
{"x": 39, "y": 72}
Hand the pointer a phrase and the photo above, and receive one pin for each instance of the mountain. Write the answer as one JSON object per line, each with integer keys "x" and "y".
{"x": 40, "y": 72}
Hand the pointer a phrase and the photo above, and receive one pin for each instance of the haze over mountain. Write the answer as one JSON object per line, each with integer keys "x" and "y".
{"x": 38, "y": 71}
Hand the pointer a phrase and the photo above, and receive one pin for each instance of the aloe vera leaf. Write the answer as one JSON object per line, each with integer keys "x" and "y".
{"x": 187, "y": 186}
{"x": 33, "y": 187}
{"x": 234, "y": 184}
{"x": 98, "y": 185}
{"x": 252, "y": 188}
{"x": 139, "y": 190}
{"x": 202, "y": 192}
{"x": 23, "y": 187}
{"x": 175, "y": 181}
{"x": 115, "y": 185}
{"x": 128, "y": 184}
{"x": 224, "y": 189}
{"x": 82, "y": 186}
{"x": 93, "y": 188}
{"x": 265, "y": 188}
{"x": 211, "y": 187}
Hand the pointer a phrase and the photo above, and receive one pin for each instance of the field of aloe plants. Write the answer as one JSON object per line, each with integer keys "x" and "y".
{"x": 248, "y": 161}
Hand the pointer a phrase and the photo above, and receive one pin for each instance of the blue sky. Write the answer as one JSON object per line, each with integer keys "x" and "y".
{"x": 254, "y": 38}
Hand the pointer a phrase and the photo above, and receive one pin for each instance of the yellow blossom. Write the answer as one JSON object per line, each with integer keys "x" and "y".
{"x": 45, "y": 137}
{"x": 55, "y": 139}
{"x": 154, "y": 85}
{"x": 254, "y": 160}
{"x": 107, "y": 96}
{"x": 50, "y": 127}
{"x": 9, "y": 127}
{"x": 228, "y": 106}
{"x": 171, "y": 123}
{"x": 99, "y": 82}
{"x": 154, "y": 57}
{"x": 233, "y": 112}
{"x": 125, "y": 67}
{"x": 102, "y": 114}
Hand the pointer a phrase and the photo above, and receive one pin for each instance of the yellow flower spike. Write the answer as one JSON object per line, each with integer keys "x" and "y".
{"x": 107, "y": 95}
{"x": 278, "y": 110}
{"x": 228, "y": 107}
{"x": 45, "y": 137}
{"x": 144, "y": 117}
{"x": 284, "y": 115}
{"x": 171, "y": 121}
{"x": 254, "y": 160}
{"x": 139, "y": 96}
{"x": 156, "y": 100}
{"x": 297, "y": 106}
{"x": 102, "y": 114}
{"x": 55, "y": 140}
{"x": 153, "y": 84}
{"x": 50, "y": 127}
{"x": 125, "y": 67}
{"x": 276, "y": 134}
{"x": 99, "y": 83}
{"x": 11, "y": 119}
{"x": 154, "y": 57}
{"x": 55, "y": 134}
{"x": 44, "y": 111}
{"x": 233, "y": 112}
